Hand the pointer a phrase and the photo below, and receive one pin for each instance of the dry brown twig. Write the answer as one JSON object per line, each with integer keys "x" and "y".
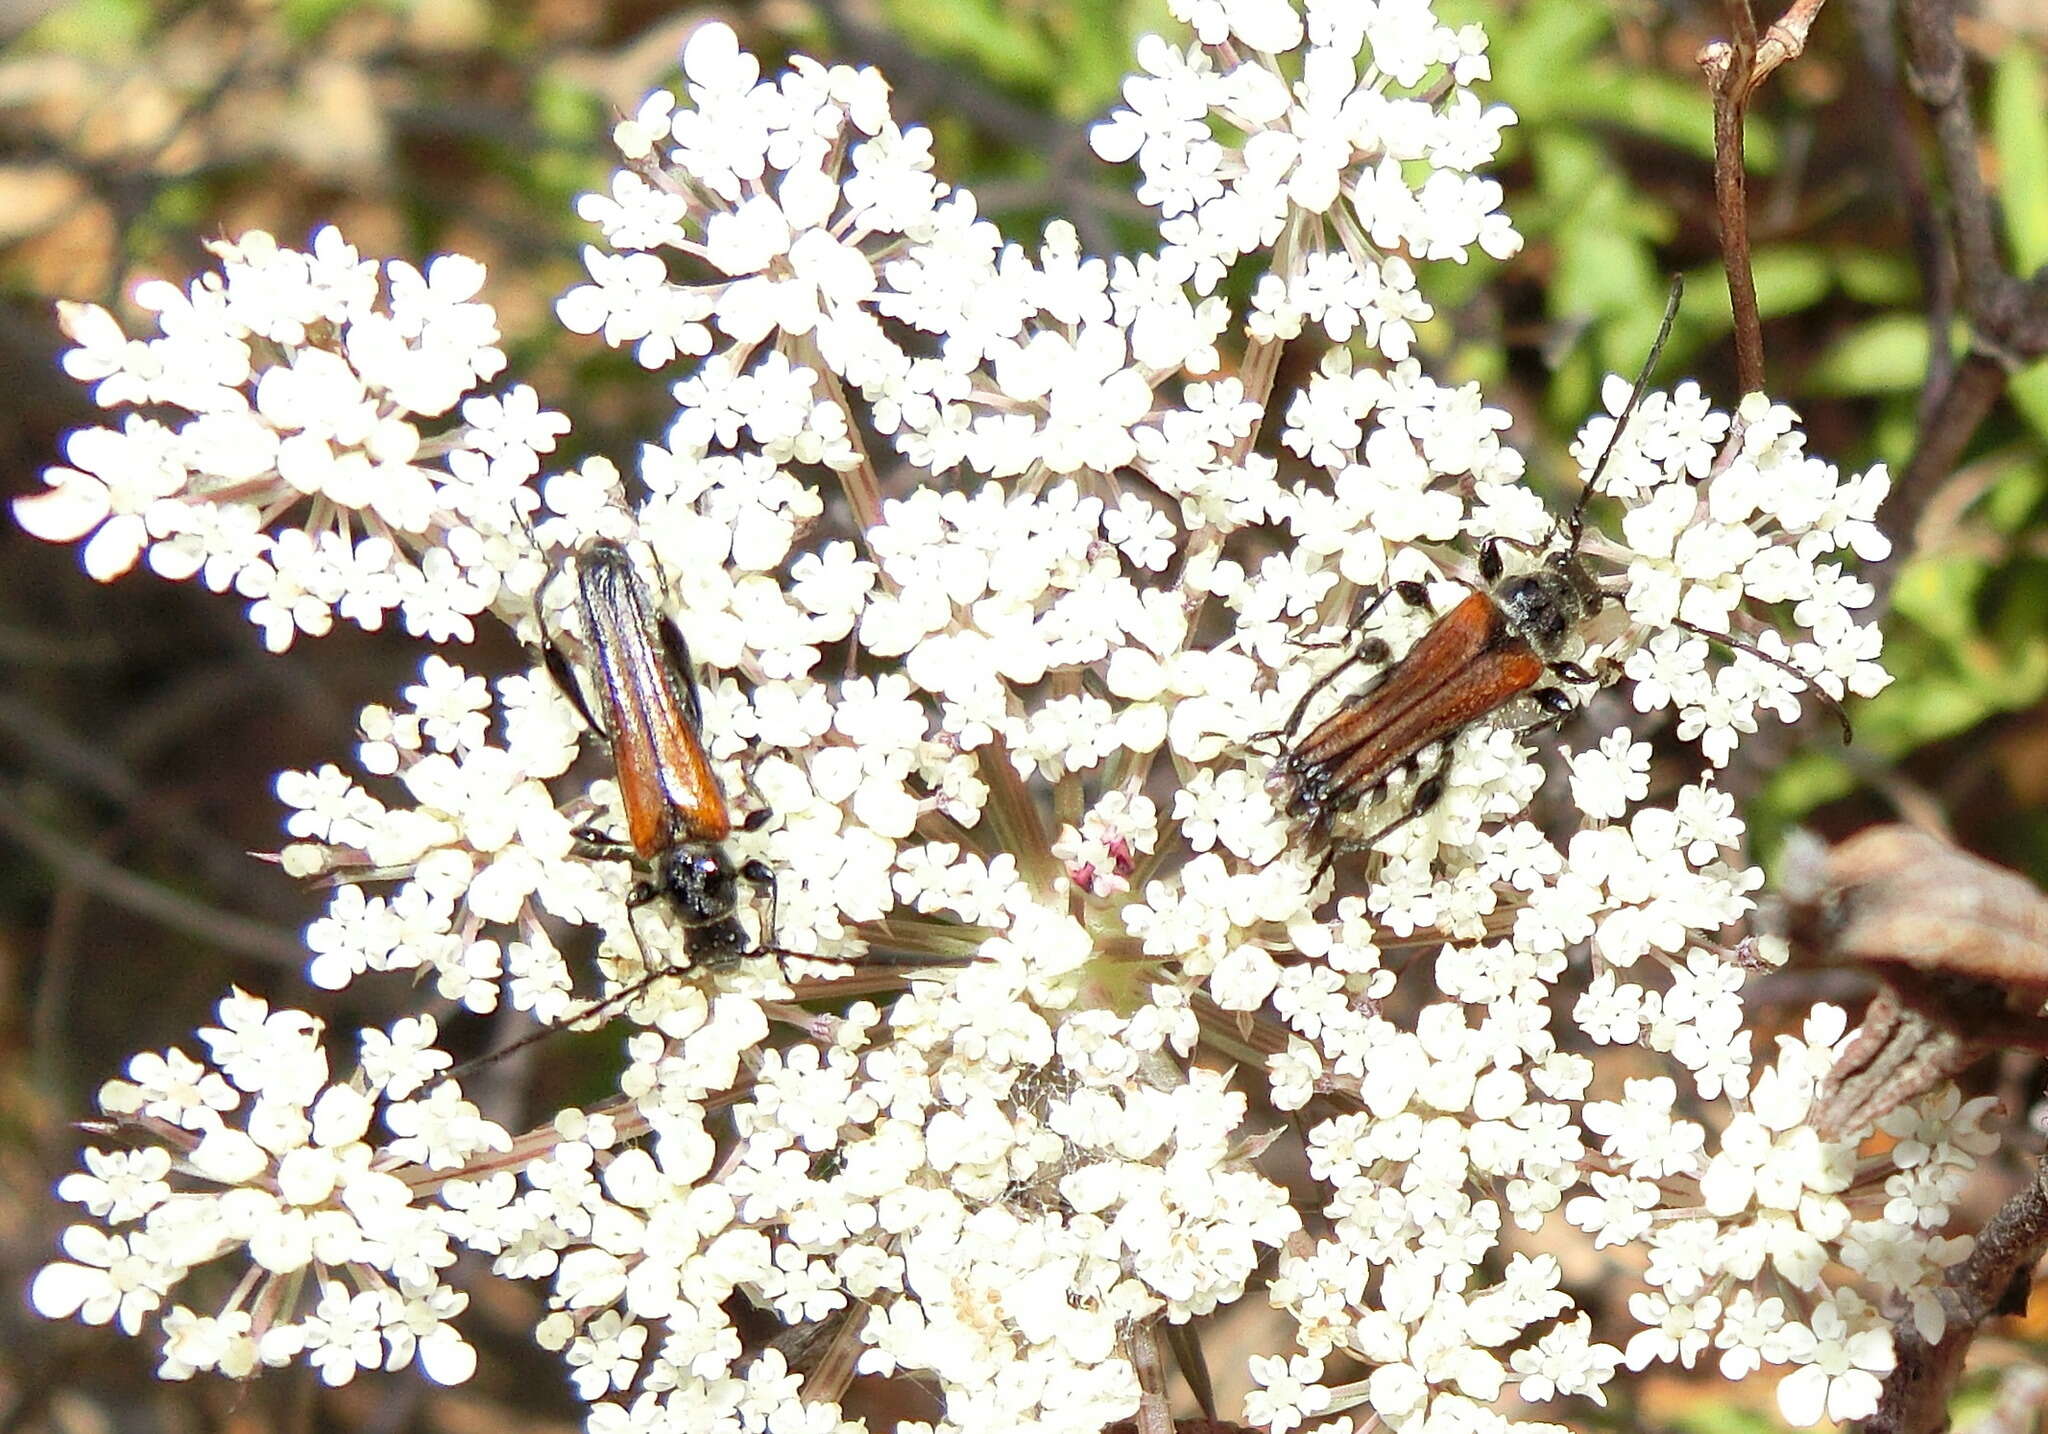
{"x": 1734, "y": 68}
{"x": 1961, "y": 946}
{"x": 1917, "y": 1391}
{"x": 2008, "y": 316}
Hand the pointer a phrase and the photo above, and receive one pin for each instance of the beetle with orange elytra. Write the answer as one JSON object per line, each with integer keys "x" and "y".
{"x": 677, "y": 816}
{"x": 678, "y": 819}
{"x": 1496, "y": 646}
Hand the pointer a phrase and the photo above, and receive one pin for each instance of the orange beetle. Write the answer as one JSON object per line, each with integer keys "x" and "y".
{"x": 1497, "y": 645}
{"x": 677, "y": 819}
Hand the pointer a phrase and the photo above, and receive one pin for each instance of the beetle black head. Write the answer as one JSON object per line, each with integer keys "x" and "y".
{"x": 703, "y": 890}
{"x": 699, "y": 880}
{"x": 718, "y": 945}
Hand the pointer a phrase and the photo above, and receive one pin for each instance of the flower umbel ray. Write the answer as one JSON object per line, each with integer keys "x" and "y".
{"x": 990, "y": 591}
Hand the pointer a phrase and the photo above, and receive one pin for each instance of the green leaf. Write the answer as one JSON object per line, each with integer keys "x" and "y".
{"x": 2019, "y": 596}
{"x": 1552, "y": 63}
{"x": 1939, "y": 592}
{"x": 1881, "y": 278}
{"x": 1072, "y": 52}
{"x": 2019, "y": 126}
{"x": 310, "y": 19}
{"x": 1886, "y": 354}
{"x": 565, "y": 112}
{"x": 1661, "y": 107}
{"x": 2015, "y": 496}
{"x": 1804, "y": 781}
{"x": 1894, "y": 432}
{"x": 1969, "y": 646}
{"x": 1788, "y": 278}
{"x": 1705, "y": 1415}
{"x": 1534, "y": 47}
{"x": 1571, "y": 170}
{"x": 1601, "y": 270}
{"x": 1603, "y": 265}
{"x": 89, "y": 27}
{"x": 2029, "y": 394}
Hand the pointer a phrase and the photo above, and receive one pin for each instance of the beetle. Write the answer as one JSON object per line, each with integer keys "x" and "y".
{"x": 1497, "y": 645}
{"x": 677, "y": 816}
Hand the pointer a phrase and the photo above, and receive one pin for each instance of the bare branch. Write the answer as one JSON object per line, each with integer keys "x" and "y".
{"x": 2008, "y": 316}
{"x": 1734, "y": 68}
{"x": 1916, "y": 1393}
{"x": 1962, "y": 947}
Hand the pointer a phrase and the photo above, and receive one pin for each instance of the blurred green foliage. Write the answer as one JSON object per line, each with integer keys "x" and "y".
{"x": 1718, "y": 1416}
{"x": 1069, "y": 56}
{"x": 90, "y": 27}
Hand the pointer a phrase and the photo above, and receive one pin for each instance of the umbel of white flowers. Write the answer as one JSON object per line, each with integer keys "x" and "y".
{"x": 1005, "y": 1182}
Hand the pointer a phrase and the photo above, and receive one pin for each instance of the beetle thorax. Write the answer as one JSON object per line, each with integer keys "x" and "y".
{"x": 1544, "y": 605}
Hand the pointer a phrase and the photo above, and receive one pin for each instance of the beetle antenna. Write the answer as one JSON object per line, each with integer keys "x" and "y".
{"x": 1736, "y": 644}
{"x": 1575, "y": 525}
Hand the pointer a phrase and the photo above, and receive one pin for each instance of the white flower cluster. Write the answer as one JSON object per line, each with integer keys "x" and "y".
{"x": 299, "y": 378}
{"x": 1021, "y": 722}
{"x": 1775, "y": 1206}
{"x": 278, "y": 1168}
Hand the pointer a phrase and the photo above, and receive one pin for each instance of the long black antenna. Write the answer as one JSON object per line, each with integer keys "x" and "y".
{"x": 1735, "y": 644}
{"x": 1575, "y": 525}
{"x": 649, "y": 974}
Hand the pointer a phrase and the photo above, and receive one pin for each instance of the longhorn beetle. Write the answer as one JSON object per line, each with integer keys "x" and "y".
{"x": 677, "y": 816}
{"x": 677, "y": 819}
{"x": 1495, "y": 646}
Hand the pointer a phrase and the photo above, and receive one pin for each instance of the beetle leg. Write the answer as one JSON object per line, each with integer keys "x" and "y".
{"x": 565, "y": 678}
{"x": 1425, "y": 795}
{"x": 596, "y": 844}
{"x": 550, "y": 654}
{"x": 763, "y": 813}
{"x": 1335, "y": 850}
{"x": 1557, "y": 705}
{"x": 1369, "y": 601}
{"x": 761, "y": 875}
{"x": 1365, "y": 651}
{"x": 1428, "y": 792}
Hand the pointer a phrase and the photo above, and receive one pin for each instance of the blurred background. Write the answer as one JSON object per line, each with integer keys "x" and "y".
{"x": 142, "y": 724}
